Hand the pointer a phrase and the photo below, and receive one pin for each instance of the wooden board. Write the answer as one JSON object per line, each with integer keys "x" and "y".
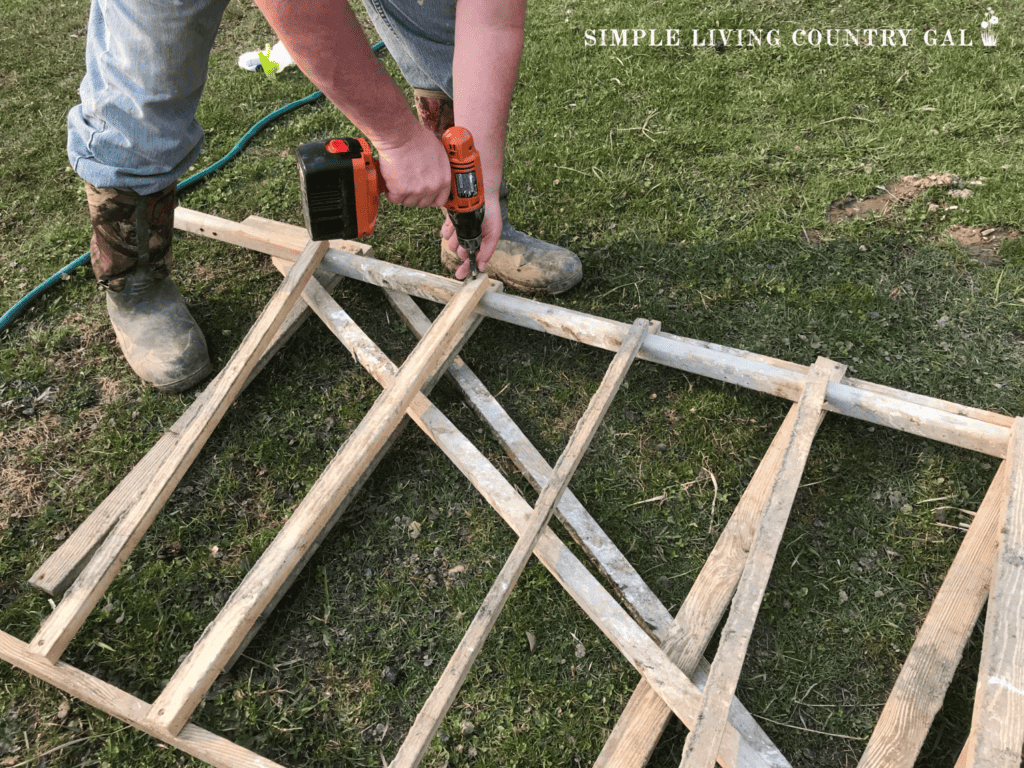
{"x": 702, "y": 744}
{"x": 454, "y": 675}
{"x": 997, "y": 729}
{"x": 921, "y": 686}
{"x": 951, "y": 423}
{"x": 228, "y": 630}
{"x": 63, "y": 623}
{"x": 754, "y": 748}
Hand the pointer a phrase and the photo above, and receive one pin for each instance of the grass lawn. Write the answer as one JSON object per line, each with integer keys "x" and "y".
{"x": 714, "y": 189}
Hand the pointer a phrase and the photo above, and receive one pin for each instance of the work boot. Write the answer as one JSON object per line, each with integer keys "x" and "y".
{"x": 520, "y": 261}
{"x": 131, "y": 258}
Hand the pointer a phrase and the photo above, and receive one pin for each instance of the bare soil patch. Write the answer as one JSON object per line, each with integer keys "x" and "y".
{"x": 900, "y": 192}
{"x": 982, "y": 242}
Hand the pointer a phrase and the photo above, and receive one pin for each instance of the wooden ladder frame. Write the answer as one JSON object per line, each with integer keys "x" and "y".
{"x": 668, "y": 652}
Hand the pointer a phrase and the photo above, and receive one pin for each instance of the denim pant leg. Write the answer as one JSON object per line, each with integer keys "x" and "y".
{"x": 146, "y": 64}
{"x": 420, "y": 36}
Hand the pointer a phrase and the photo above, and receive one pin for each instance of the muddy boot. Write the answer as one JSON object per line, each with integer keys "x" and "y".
{"x": 131, "y": 257}
{"x": 520, "y": 261}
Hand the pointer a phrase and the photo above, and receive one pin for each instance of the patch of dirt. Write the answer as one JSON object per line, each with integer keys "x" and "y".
{"x": 21, "y": 481}
{"x": 900, "y": 192}
{"x": 111, "y": 390}
{"x": 810, "y": 236}
{"x": 982, "y": 242}
{"x": 911, "y": 187}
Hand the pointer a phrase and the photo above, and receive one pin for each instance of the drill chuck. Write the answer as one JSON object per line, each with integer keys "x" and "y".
{"x": 469, "y": 229}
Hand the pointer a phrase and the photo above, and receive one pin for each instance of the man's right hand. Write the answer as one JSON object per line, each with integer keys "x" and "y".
{"x": 324, "y": 38}
{"x": 416, "y": 171}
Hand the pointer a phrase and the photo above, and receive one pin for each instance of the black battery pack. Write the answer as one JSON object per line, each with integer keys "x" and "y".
{"x": 326, "y": 181}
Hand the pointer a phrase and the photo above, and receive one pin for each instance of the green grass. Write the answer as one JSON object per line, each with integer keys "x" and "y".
{"x": 686, "y": 180}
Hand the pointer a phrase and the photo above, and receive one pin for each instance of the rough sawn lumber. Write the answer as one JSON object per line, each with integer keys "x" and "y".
{"x": 57, "y": 631}
{"x": 702, "y": 744}
{"x": 227, "y": 631}
{"x": 440, "y": 700}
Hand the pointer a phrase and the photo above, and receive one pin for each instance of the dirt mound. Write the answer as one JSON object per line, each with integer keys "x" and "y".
{"x": 902, "y": 191}
{"x": 982, "y": 242}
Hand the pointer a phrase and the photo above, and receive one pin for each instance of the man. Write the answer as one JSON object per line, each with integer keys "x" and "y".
{"x": 134, "y": 135}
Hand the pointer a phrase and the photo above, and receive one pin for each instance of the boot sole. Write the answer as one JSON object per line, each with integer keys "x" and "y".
{"x": 451, "y": 262}
{"x": 183, "y": 385}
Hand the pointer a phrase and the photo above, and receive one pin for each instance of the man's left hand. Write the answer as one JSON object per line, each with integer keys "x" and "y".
{"x": 489, "y": 241}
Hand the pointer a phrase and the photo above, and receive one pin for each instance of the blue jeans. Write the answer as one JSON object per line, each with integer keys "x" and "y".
{"x": 146, "y": 64}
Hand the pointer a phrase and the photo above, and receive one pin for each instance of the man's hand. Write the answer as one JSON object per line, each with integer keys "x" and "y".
{"x": 491, "y": 233}
{"x": 416, "y": 171}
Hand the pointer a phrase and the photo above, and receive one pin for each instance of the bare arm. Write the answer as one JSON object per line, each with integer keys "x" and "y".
{"x": 488, "y": 48}
{"x": 324, "y": 38}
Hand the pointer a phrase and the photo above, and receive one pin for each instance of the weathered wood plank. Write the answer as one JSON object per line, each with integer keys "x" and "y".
{"x": 227, "y": 631}
{"x": 920, "y": 688}
{"x": 57, "y": 631}
{"x": 638, "y": 730}
{"x": 639, "y": 598}
{"x": 998, "y": 727}
{"x": 440, "y": 700}
{"x": 703, "y": 742}
{"x": 61, "y": 568}
{"x": 193, "y": 740}
{"x": 752, "y": 746}
{"x": 313, "y": 294}
{"x": 932, "y": 418}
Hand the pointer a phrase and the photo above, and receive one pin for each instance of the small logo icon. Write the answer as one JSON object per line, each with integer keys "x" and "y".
{"x": 988, "y": 28}
{"x": 270, "y": 67}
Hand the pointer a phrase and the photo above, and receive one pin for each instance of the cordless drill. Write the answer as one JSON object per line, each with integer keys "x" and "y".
{"x": 341, "y": 185}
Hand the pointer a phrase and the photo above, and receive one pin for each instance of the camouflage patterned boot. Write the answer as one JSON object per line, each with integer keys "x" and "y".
{"x": 131, "y": 257}
{"x": 520, "y": 261}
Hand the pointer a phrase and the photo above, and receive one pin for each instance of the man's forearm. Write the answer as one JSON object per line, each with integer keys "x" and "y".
{"x": 324, "y": 38}
{"x": 488, "y": 47}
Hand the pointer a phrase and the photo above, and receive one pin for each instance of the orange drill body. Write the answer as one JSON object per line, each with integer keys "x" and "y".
{"x": 466, "y": 200}
{"x": 341, "y": 184}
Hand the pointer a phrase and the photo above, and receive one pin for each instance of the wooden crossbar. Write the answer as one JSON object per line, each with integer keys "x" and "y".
{"x": 748, "y": 745}
{"x": 208, "y": 657}
{"x": 997, "y": 728}
{"x": 703, "y": 743}
{"x": 60, "y": 627}
{"x": 429, "y": 719}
